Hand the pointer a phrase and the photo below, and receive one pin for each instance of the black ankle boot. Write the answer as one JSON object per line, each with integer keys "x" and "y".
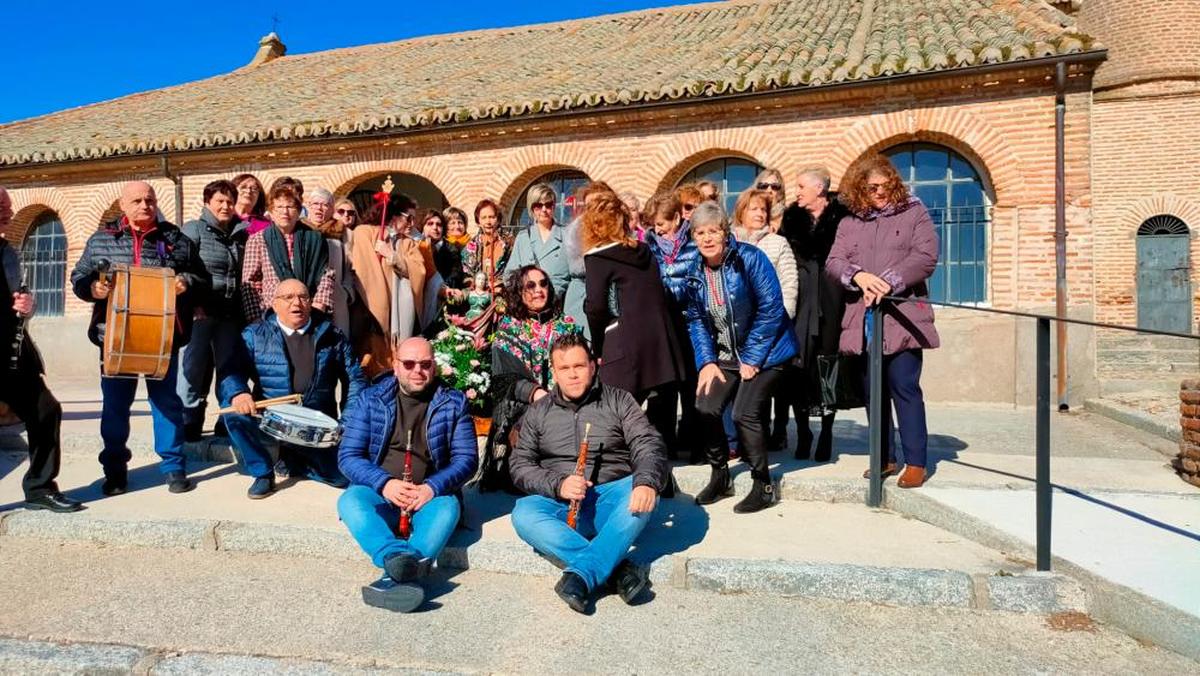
{"x": 719, "y": 486}
{"x": 825, "y": 441}
{"x": 804, "y": 439}
{"x": 762, "y": 495}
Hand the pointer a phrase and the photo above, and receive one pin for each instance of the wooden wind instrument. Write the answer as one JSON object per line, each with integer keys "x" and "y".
{"x": 405, "y": 514}
{"x": 580, "y": 468}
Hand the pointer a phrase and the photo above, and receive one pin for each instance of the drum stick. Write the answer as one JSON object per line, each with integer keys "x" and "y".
{"x": 265, "y": 403}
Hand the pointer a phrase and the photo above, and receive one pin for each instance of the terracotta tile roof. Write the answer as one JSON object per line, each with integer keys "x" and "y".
{"x": 685, "y": 52}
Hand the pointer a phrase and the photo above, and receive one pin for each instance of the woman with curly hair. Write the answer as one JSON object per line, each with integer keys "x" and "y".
{"x": 520, "y": 364}
{"x": 887, "y": 246}
{"x": 633, "y": 333}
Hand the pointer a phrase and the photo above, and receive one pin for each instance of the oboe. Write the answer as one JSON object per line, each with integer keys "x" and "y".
{"x": 14, "y": 356}
{"x": 15, "y": 276}
{"x": 580, "y": 468}
{"x": 406, "y": 514}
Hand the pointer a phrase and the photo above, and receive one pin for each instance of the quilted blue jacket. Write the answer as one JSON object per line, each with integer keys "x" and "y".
{"x": 370, "y": 421}
{"x": 763, "y": 335}
{"x": 675, "y": 270}
{"x": 263, "y": 359}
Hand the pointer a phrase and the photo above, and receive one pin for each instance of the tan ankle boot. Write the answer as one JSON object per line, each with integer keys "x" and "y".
{"x": 888, "y": 470}
{"x": 913, "y": 477}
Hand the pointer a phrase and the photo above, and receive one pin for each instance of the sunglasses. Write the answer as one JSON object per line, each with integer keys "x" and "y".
{"x": 543, "y": 283}
{"x": 543, "y": 205}
{"x": 688, "y": 207}
{"x": 344, "y": 212}
{"x": 414, "y": 364}
{"x": 876, "y": 187}
{"x": 770, "y": 186}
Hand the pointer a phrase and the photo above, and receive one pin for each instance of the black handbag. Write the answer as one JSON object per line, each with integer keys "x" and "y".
{"x": 841, "y": 381}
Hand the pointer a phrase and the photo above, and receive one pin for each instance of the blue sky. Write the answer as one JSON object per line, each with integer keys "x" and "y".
{"x": 71, "y": 53}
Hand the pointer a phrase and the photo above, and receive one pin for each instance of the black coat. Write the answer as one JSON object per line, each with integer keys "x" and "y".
{"x": 221, "y": 255}
{"x": 819, "y": 310}
{"x": 164, "y": 247}
{"x": 632, "y": 324}
{"x": 447, "y": 258}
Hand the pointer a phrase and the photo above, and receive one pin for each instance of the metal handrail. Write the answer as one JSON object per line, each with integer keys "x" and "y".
{"x": 1044, "y": 492}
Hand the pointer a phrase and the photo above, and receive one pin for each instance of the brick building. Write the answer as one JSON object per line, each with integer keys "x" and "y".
{"x": 961, "y": 93}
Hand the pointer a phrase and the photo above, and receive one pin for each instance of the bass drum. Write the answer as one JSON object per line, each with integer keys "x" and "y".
{"x": 140, "y": 323}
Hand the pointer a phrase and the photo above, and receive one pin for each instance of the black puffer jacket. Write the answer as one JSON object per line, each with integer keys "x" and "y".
{"x": 621, "y": 442}
{"x": 221, "y": 254}
{"x": 163, "y": 247}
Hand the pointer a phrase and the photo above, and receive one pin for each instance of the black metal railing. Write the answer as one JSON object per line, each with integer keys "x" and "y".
{"x": 1044, "y": 489}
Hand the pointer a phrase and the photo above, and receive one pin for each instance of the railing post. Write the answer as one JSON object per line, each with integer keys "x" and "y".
{"x": 875, "y": 411}
{"x": 1044, "y": 493}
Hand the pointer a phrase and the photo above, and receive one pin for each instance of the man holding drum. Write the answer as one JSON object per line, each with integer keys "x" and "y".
{"x": 291, "y": 350}
{"x": 140, "y": 240}
{"x": 409, "y": 446}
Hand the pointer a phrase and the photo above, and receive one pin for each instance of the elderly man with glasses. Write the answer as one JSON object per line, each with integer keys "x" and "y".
{"x": 291, "y": 350}
{"x": 409, "y": 446}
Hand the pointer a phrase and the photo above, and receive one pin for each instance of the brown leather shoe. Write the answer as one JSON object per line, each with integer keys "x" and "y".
{"x": 888, "y": 470}
{"x": 913, "y": 477}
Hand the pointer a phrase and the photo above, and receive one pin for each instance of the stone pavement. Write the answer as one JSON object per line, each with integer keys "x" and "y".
{"x": 1125, "y": 526}
{"x": 160, "y": 611}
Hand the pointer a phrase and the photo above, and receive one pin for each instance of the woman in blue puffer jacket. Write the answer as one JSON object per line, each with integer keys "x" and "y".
{"x": 743, "y": 339}
{"x": 670, "y": 240}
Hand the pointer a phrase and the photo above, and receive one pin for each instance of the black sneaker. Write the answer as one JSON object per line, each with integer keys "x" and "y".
{"x": 262, "y": 487}
{"x": 55, "y": 502}
{"x": 177, "y": 482}
{"x": 573, "y": 590}
{"x": 398, "y": 597}
{"x": 115, "y": 483}
{"x": 628, "y": 580}
{"x": 403, "y": 567}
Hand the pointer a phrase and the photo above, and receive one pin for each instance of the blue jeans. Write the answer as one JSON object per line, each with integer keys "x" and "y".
{"x": 373, "y": 521}
{"x": 604, "y": 514}
{"x": 253, "y": 447}
{"x": 166, "y": 411}
{"x": 213, "y": 341}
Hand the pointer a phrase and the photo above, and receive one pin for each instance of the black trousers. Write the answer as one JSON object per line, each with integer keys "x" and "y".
{"x": 751, "y": 401}
{"x": 25, "y": 392}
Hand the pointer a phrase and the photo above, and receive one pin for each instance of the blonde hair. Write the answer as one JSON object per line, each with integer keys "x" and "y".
{"x": 539, "y": 192}
{"x": 748, "y": 197}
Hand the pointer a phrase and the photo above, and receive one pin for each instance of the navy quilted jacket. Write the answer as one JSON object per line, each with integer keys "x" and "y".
{"x": 371, "y": 419}
{"x": 675, "y": 266}
{"x": 263, "y": 359}
{"x": 763, "y": 335}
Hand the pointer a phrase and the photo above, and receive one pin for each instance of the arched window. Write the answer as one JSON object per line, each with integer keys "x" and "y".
{"x": 731, "y": 174}
{"x": 44, "y": 263}
{"x": 953, "y": 192}
{"x": 418, "y": 188}
{"x": 565, "y": 183}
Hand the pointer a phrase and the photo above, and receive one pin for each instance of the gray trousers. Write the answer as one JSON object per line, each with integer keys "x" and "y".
{"x": 214, "y": 343}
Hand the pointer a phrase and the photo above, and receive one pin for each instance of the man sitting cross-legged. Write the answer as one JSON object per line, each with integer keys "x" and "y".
{"x": 444, "y": 456}
{"x": 626, "y": 468}
{"x": 291, "y": 350}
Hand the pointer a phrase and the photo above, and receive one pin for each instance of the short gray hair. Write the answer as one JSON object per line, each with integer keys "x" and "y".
{"x": 537, "y": 193}
{"x": 321, "y": 193}
{"x": 710, "y": 213}
{"x": 820, "y": 173}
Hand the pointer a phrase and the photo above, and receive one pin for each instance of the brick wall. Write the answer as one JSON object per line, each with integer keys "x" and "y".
{"x": 1005, "y": 127}
{"x": 1147, "y": 40}
{"x": 1187, "y": 463}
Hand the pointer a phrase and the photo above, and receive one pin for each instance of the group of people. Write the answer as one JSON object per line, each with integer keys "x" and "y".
{"x": 645, "y": 332}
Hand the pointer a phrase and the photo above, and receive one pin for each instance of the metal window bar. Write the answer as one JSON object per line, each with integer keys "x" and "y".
{"x": 1044, "y": 492}
{"x": 961, "y": 274}
{"x": 44, "y": 259}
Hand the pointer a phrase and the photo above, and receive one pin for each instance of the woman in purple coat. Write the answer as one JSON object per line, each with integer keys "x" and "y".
{"x": 887, "y": 246}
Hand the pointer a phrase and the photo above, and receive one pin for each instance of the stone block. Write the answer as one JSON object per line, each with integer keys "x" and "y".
{"x": 177, "y": 533}
{"x": 869, "y": 584}
{"x": 1036, "y": 593}
{"x": 515, "y": 558}
{"x": 307, "y": 541}
{"x": 42, "y": 657}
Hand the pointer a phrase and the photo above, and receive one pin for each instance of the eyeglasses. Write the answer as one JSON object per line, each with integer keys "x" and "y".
{"x": 414, "y": 364}
{"x": 302, "y": 298}
{"x": 770, "y": 186}
{"x": 285, "y": 207}
{"x": 876, "y": 187}
{"x": 543, "y": 205}
{"x": 543, "y": 283}
{"x": 345, "y": 212}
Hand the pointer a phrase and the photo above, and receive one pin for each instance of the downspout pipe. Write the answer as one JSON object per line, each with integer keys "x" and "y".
{"x": 1060, "y": 228}
{"x": 178, "y": 181}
